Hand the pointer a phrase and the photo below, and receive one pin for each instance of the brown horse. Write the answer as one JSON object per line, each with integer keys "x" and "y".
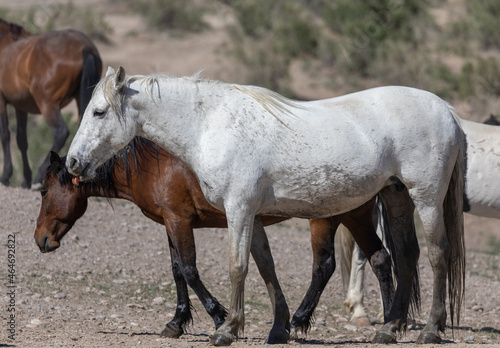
{"x": 42, "y": 74}
{"x": 168, "y": 193}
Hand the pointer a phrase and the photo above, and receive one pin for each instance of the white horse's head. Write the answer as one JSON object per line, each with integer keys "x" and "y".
{"x": 108, "y": 124}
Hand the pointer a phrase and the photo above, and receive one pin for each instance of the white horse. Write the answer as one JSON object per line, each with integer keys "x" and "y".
{"x": 255, "y": 152}
{"x": 482, "y": 198}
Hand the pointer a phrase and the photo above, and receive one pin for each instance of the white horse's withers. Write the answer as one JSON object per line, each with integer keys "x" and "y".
{"x": 482, "y": 198}
{"x": 255, "y": 152}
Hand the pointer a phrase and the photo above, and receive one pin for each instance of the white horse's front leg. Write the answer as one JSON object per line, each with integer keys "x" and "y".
{"x": 240, "y": 227}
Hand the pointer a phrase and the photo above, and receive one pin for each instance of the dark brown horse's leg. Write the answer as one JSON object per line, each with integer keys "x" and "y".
{"x": 261, "y": 252}
{"x": 5, "y": 138}
{"x": 22, "y": 143}
{"x": 322, "y": 242}
{"x": 362, "y": 228}
{"x": 182, "y": 317}
{"x": 400, "y": 210}
{"x": 182, "y": 242}
{"x": 60, "y": 133}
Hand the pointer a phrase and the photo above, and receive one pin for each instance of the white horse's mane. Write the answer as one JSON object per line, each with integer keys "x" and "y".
{"x": 272, "y": 102}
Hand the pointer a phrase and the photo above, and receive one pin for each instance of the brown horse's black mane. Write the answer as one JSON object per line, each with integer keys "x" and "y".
{"x": 104, "y": 180}
{"x": 14, "y": 28}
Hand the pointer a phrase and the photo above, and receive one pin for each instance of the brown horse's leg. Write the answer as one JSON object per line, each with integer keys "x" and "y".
{"x": 183, "y": 251}
{"x": 322, "y": 242}
{"x": 22, "y": 143}
{"x": 182, "y": 317}
{"x": 60, "y": 133}
{"x": 261, "y": 252}
{"x": 5, "y": 138}
{"x": 361, "y": 226}
{"x": 400, "y": 210}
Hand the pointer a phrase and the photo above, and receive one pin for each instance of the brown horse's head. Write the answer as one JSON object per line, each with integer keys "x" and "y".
{"x": 12, "y": 30}
{"x": 62, "y": 204}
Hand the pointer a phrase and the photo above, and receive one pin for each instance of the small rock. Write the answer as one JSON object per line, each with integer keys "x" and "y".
{"x": 158, "y": 300}
{"x": 36, "y": 322}
{"x": 469, "y": 339}
{"x": 60, "y": 295}
{"x": 350, "y": 327}
{"x": 477, "y": 308}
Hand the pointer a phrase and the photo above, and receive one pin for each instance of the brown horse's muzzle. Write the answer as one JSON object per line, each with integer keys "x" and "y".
{"x": 46, "y": 244}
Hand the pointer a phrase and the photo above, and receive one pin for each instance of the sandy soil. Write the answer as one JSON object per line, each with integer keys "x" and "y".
{"x": 110, "y": 283}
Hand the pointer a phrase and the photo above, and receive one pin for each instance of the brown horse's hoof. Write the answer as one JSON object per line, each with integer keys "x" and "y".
{"x": 294, "y": 336}
{"x": 278, "y": 337}
{"x": 428, "y": 337}
{"x": 172, "y": 331}
{"x": 384, "y": 338}
{"x": 219, "y": 339}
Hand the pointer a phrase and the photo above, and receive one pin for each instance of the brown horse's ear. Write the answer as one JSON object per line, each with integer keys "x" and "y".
{"x": 55, "y": 162}
{"x": 120, "y": 78}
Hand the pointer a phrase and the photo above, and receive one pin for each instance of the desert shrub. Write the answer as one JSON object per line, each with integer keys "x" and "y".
{"x": 172, "y": 14}
{"x": 268, "y": 36}
{"x": 56, "y": 16}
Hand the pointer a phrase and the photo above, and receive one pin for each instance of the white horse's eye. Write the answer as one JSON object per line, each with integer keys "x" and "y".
{"x": 99, "y": 113}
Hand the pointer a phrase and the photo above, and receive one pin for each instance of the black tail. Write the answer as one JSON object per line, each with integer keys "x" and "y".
{"x": 91, "y": 74}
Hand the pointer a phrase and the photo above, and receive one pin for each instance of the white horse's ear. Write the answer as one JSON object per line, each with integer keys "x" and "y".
{"x": 120, "y": 78}
{"x": 110, "y": 71}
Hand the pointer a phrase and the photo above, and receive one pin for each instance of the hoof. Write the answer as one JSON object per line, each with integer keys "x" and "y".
{"x": 360, "y": 322}
{"x": 384, "y": 338}
{"x": 428, "y": 337}
{"x": 218, "y": 340}
{"x": 172, "y": 331}
{"x": 278, "y": 337}
{"x": 294, "y": 336}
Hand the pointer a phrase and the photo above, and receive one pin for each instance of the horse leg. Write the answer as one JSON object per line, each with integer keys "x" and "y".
{"x": 361, "y": 225}
{"x": 182, "y": 317}
{"x": 60, "y": 133}
{"x": 438, "y": 246}
{"x": 22, "y": 143}
{"x": 322, "y": 242}
{"x": 240, "y": 227}
{"x": 5, "y": 138}
{"x": 400, "y": 209}
{"x": 354, "y": 299}
{"x": 261, "y": 252}
{"x": 183, "y": 246}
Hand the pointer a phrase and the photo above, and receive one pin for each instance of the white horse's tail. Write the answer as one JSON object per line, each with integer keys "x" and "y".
{"x": 345, "y": 248}
{"x": 454, "y": 224}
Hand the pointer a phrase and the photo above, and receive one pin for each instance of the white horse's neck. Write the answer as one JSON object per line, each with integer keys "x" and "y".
{"x": 178, "y": 113}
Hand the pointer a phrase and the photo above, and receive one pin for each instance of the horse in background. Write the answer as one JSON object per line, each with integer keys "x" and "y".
{"x": 481, "y": 198}
{"x": 42, "y": 73}
{"x": 167, "y": 192}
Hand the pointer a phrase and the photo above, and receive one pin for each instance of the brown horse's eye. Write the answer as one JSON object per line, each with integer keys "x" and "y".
{"x": 43, "y": 192}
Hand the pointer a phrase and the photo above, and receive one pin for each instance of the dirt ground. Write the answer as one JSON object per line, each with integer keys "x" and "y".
{"x": 110, "y": 284}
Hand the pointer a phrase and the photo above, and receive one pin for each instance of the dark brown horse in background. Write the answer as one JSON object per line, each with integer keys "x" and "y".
{"x": 42, "y": 74}
{"x": 168, "y": 193}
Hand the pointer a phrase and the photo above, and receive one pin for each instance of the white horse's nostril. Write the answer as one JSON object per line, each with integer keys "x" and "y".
{"x": 73, "y": 163}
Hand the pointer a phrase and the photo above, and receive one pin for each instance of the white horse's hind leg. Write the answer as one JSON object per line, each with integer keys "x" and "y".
{"x": 240, "y": 227}
{"x": 354, "y": 299}
{"x": 438, "y": 249}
